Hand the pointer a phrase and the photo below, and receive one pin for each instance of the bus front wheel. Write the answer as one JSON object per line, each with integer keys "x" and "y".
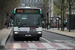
{"x": 38, "y": 38}
{"x": 15, "y": 38}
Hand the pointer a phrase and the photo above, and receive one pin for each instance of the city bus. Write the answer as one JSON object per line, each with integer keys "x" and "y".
{"x": 27, "y": 23}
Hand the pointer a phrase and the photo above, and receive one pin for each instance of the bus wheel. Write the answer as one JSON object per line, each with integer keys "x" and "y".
{"x": 38, "y": 38}
{"x": 15, "y": 38}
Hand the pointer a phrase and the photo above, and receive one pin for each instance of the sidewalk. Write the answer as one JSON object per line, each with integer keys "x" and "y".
{"x": 65, "y": 32}
{"x": 4, "y": 33}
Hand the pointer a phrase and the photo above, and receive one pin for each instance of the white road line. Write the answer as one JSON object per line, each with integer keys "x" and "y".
{"x": 33, "y": 41}
{"x": 47, "y": 45}
{"x": 67, "y": 41}
{"x": 29, "y": 41}
{"x": 16, "y": 45}
{"x": 32, "y": 45}
{"x": 31, "y": 49}
{"x": 46, "y": 40}
{"x": 73, "y": 44}
{"x": 58, "y": 40}
{"x": 63, "y": 46}
{"x": 63, "y": 40}
{"x": 51, "y": 49}
{"x": 24, "y": 41}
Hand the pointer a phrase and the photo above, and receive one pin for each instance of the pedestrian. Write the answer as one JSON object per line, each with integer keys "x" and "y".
{"x": 47, "y": 25}
{"x": 7, "y": 23}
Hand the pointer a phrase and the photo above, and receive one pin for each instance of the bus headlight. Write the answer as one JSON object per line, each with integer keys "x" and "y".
{"x": 39, "y": 32}
{"x": 16, "y": 32}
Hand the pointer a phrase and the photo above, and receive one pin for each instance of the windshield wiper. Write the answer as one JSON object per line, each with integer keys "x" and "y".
{"x": 22, "y": 25}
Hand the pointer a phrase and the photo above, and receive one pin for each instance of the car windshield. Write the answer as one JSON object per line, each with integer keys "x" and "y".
{"x": 28, "y": 20}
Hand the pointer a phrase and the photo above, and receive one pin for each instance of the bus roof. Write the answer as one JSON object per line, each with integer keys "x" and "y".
{"x": 27, "y": 8}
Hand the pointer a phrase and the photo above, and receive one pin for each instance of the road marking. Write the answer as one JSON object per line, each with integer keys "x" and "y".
{"x": 32, "y": 45}
{"x": 46, "y": 40}
{"x": 65, "y": 41}
{"x": 73, "y": 44}
{"x": 29, "y": 41}
{"x": 61, "y": 45}
{"x": 58, "y": 40}
{"x": 47, "y": 45}
{"x": 16, "y": 45}
{"x": 41, "y": 45}
{"x": 24, "y": 41}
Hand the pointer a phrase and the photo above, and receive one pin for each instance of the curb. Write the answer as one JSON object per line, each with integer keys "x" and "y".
{"x": 3, "y": 42}
{"x": 59, "y": 34}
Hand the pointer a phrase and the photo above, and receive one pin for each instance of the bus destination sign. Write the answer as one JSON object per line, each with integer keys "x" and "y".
{"x": 27, "y": 11}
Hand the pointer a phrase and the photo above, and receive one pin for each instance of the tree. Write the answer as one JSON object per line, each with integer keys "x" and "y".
{"x": 45, "y": 6}
{"x": 7, "y": 6}
{"x": 62, "y": 5}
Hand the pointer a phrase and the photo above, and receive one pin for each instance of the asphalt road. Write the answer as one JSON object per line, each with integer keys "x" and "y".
{"x": 46, "y": 38}
{"x": 56, "y": 38}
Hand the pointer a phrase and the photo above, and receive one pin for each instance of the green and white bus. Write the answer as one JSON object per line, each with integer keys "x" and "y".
{"x": 27, "y": 23}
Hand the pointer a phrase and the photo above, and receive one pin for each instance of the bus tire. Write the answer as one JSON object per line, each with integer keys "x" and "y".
{"x": 38, "y": 38}
{"x": 15, "y": 38}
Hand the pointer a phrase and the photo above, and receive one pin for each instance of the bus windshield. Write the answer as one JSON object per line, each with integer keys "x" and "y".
{"x": 27, "y": 20}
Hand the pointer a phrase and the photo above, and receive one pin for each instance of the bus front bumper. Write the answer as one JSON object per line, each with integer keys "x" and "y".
{"x": 28, "y": 34}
